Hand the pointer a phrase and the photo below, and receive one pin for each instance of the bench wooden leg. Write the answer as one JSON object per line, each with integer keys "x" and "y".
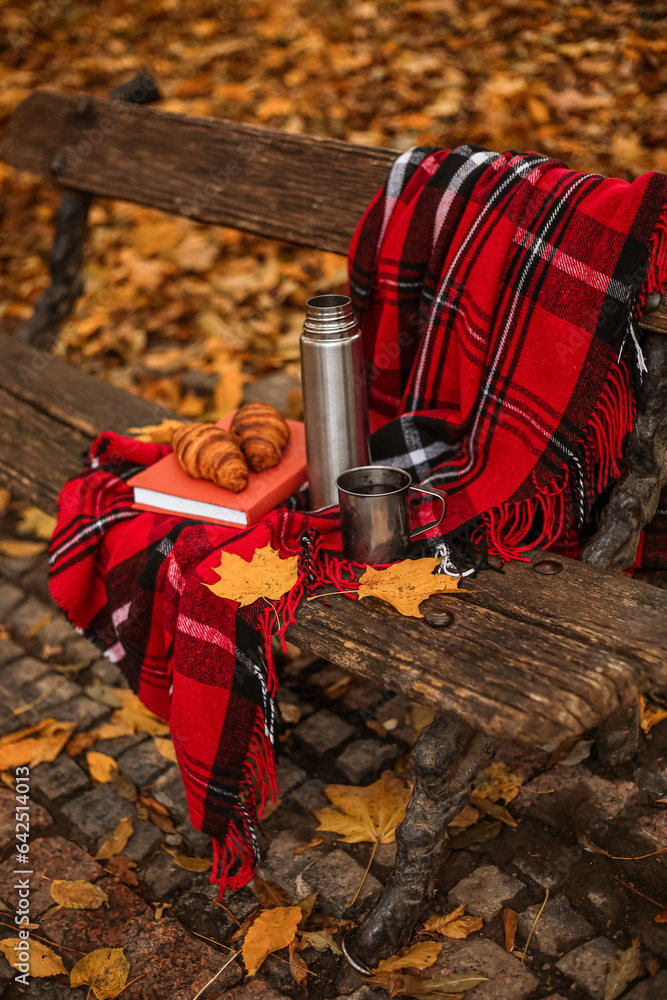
{"x": 617, "y": 739}
{"x": 634, "y": 499}
{"x": 446, "y": 759}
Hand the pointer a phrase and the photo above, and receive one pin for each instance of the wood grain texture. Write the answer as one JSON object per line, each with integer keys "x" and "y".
{"x": 302, "y": 189}
{"x": 49, "y": 414}
{"x": 529, "y": 658}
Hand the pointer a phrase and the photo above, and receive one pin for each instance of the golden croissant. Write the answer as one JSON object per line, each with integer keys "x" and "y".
{"x": 209, "y": 452}
{"x": 263, "y": 434}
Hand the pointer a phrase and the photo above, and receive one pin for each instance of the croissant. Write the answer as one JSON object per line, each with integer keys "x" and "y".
{"x": 209, "y": 452}
{"x": 263, "y": 434}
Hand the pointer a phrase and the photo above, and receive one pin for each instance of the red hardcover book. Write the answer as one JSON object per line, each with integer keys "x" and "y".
{"x": 167, "y": 489}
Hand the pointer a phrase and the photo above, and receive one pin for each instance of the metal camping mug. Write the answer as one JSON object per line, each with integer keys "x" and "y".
{"x": 375, "y": 521}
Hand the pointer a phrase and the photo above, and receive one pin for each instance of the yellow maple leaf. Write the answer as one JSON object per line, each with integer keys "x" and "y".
{"x": 272, "y": 930}
{"x": 406, "y": 584}
{"x": 420, "y": 956}
{"x": 42, "y": 961}
{"x": 454, "y": 925}
{"x": 368, "y": 814}
{"x": 266, "y": 575}
{"x": 104, "y": 970}
{"x": 497, "y": 782}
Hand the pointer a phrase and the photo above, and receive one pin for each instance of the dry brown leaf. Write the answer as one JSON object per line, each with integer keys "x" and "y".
{"x": 100, "y": 766}
{"x": 298, "y": 967}
{"x": 123, "y": 785}
{"x": 5, "y": 499}
{"x": 307, "y": 905}
{"x": 497, "y": 782}
{"x": 321, "y": 941}
{"x": 651, "y": 715}
{"x": 622, "y": 970}
{"x": 77, "y": 894}
{"x": 161, "y": 433}
{"x": 42, "y": 960}
{"x": 449, "y": 986}
{"x": 269, "y": 895}
{"x": 33, "y": 521}
{"x": 23, "y": 747}
{"x": 122, "y": 867}
{"x": 368, "y": 814}
{"x": 17, "y": 549}
{"x": 289, "y": 712}
{"x": 117, "y": 841}
{"x": 493, "y": 809}
{"x": 406, "y": 584}
{"x": 465, "y": 818}
{"x": 661, "y": 917}
{"x": 456, "y": 925}
{"x": 266, "y": 575}
{"x": 189, "y": 864}
{"x": 272, "y": 930}
{"x": 165, "y": 747}
{"x": 510, "y": 921}
{"x": 104, "y": 970}
{"x": 300, "y": 848}
{"x": 134, "y": 713}
{"x": 419, "y": 956}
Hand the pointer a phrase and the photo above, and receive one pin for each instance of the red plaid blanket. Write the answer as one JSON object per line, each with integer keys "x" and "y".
{"x": 496, "y": 294}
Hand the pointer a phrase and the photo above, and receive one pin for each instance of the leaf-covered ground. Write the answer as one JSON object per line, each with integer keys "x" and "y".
{"x": 183, "y": 313}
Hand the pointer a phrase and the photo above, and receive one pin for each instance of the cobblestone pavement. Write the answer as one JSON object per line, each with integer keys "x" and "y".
{"x": 347, "y": 731}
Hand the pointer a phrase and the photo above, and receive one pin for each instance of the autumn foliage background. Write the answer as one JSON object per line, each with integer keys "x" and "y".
{"x": 184, "y": 314}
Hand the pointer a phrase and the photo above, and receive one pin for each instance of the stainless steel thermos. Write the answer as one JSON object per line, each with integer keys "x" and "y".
{"x": 335, "y": 405}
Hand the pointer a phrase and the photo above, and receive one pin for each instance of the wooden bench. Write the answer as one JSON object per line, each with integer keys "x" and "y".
{"x": 530, "y": 659}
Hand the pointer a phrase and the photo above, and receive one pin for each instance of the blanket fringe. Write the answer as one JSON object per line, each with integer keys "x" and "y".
{"x": 235, "y": 862}
{"x": 538, "y": 521}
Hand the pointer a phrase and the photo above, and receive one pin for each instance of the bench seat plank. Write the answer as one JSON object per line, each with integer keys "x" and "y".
{"x": 530, "y": 658}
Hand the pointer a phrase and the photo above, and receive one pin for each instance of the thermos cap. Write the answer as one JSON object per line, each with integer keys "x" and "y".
{"x": 329, "y": 317}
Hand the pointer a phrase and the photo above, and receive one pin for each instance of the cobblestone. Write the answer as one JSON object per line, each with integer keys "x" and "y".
{"x": 80, "y": 651}
{"x": 39, "y": 818}
{"x": 9, "y": 651}
{"x": 310, "y": 796}
{"x": 16, "y": 675}
{"x": 486, "y": 891}
{"x": 650, "y": 989}
{"x": 362, "y": 760}
{"x": 51, "y": 857}
{"x": 559, "y": 929}
{"x": 106, "y": 672}
{"x": 169, "y": 790}
{"x": 587, "y": 965}
{"x": 507, "y": 978}
{"x": 58, "y": 778}
{"x": 143, "y": 763}
{"x": 10, "y": 598}
{"x": 163, "y": 877}
{"x": 28, "y": 615}
{"x": 95, "y": 815}
{"x": 323, "y": 731}
{"x": 85, "y": 711}
{"x": 57, "y": 631}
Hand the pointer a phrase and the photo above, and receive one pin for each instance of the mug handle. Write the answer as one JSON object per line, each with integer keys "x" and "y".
{"x": 433, "y": 492}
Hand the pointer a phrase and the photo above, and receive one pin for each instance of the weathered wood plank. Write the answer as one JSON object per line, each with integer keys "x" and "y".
{"x": 49, "y": 414}
{"x": 301, "y": 189}
{"x": 507, "y": 666}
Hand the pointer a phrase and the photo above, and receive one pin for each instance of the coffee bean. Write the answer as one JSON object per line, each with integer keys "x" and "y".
{"x": 548, "y": 567}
